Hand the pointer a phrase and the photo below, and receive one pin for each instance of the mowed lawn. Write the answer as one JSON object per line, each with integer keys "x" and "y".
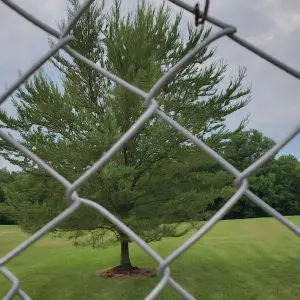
{"x": 240, "y": 259}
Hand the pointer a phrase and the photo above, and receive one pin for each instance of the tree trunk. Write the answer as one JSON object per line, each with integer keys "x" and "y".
{"x": 125, "y": 259}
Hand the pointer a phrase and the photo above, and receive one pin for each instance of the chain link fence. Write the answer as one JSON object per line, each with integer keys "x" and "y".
{"x": 63, "y": 38}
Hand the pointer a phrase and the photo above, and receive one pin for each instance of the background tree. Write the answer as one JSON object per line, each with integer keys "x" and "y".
{"x": 278, "y": 184}
{"x": 245, "y": 147}
{"x": 5, "y": 178}
{"x": 72, "y": 126}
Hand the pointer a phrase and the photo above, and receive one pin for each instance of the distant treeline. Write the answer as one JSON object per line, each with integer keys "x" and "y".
{"x": 200, "y": 187}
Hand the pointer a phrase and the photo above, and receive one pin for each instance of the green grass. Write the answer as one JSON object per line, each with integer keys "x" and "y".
{"x": 240, "y": 259}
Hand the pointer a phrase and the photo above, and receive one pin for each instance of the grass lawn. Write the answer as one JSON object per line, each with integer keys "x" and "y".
{"x": 240, "y": 259}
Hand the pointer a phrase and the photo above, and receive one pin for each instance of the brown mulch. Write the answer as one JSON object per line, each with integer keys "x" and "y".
{"x": 125, "y": 273}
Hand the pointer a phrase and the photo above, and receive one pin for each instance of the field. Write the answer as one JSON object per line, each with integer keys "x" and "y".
{"x": 240, "y": 259}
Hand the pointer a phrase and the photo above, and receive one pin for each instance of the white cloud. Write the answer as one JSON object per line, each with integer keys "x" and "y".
{"x": 261, "y": 39}
{"x": 288, "y": 21}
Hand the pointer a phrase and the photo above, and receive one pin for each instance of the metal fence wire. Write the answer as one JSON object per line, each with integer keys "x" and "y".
{"x": 63, "y": 38}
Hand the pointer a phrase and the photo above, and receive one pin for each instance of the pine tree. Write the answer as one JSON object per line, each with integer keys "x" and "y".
{"x": 72, "y": 123}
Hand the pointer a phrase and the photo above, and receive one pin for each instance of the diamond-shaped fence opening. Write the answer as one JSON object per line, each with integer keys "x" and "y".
{"x": 63, "y": 39}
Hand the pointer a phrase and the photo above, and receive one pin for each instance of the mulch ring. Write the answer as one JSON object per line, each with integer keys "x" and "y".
{"x": 125, "y": 273}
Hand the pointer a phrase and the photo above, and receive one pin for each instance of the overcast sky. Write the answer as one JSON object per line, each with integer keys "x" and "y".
{"x": 273, "y": 25}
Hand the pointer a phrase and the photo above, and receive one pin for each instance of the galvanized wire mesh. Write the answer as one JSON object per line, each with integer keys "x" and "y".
{"x": 63, "y": 38}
